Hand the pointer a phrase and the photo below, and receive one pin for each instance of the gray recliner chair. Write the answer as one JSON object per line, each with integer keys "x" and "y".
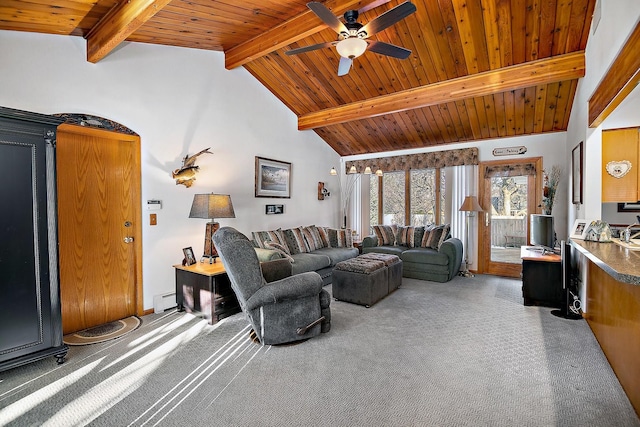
{"x": 286, "y": 310}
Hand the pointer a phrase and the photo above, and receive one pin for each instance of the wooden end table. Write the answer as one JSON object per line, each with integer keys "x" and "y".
{"x": 205, "y": 288}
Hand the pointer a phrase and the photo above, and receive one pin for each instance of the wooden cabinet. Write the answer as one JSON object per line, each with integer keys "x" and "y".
{"x": 206, "y": 289}
{"x": 620, "y": 145}
{"x": 30, "y": 320}
{"x": 541, "y": 278}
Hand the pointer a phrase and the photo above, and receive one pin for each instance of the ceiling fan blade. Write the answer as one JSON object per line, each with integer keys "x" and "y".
{"x": 372, "y": 5}
{"x": 310, "y": 48}
{"x": 327, "y": 17}
{"x": 388, "y": 18}
{"x": 388, "y": 49}
{"x": 344, "y": 66}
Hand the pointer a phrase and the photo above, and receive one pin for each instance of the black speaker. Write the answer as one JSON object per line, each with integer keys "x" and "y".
{"x": 570, "y": 301}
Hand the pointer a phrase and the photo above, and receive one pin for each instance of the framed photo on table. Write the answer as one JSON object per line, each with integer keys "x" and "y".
{"x": 579, "y": 229}
{"x": 189, "y": 257}
{"x": 576, "y": 173}
{"x": 273, "y": 178}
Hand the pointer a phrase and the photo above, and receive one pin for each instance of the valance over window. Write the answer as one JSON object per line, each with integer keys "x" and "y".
{"x": 436, "y": 159}
{"x": 523, "y": 169}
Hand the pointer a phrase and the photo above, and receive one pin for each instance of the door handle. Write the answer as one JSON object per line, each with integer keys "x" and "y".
{"x": 128, "y": 239}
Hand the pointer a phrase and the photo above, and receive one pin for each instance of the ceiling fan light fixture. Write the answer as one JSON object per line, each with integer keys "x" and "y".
{"x": 351, "y": 47}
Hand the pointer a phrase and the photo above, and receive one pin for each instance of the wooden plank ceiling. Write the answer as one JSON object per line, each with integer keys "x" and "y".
{"x": 479, "y": 69}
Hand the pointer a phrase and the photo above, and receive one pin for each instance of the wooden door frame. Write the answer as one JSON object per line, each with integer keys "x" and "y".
{"x": 533, "y": 206}
{"x": 136, "y": 195}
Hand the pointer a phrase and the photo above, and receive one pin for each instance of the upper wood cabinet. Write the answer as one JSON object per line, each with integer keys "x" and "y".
{"x": 620, "y": 146}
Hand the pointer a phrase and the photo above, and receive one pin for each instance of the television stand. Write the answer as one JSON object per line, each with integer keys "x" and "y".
{"x": 541, "y": 278}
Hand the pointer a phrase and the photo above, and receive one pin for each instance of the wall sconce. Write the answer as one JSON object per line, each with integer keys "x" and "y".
{"x": 352, "y": 169}
{"x": 367, "y": 170}
{"x": 210, "y": 206}
{"x": 379, "y": 172}
{"x": 333, "y": 172}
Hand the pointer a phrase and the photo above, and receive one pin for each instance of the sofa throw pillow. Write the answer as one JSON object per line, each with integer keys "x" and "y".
{"x": 425, "y": 236}
{"x": 340, "y": 238}
{"x": 312, "y": 238}
{"x": 437, "y": 235}
{"x": 385, "y": 234}
{"x": 406, "y": 237}
{"x": 324, "y": 235}
{"x": 446, "y": 233}
{"x": 260, "y": 238}
{"x": 294, "y": 239}
{"x": 280, "y": 249}
{"x": 418, "y": 234}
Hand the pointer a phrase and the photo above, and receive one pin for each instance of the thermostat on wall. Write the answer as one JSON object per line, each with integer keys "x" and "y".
{"x": 154, "y": 205}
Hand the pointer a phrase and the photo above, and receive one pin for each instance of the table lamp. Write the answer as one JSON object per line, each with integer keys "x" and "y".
{"x": 210, "y": 206}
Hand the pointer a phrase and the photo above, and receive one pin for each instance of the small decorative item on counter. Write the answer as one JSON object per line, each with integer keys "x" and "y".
{"x": 598, "y": 231}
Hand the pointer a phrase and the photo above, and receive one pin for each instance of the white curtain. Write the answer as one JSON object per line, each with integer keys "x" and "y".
{"x": 461, "y": 182}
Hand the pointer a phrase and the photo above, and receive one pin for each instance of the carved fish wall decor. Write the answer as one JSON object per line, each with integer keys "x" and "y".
{"x": 187, "y": 172}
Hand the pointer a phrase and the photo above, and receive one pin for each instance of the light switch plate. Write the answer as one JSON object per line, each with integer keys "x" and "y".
{"x": 153, "y": 219}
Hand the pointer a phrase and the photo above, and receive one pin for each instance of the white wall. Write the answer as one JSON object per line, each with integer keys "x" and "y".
{"x": 179, "y": 101}
{"x": 618, "y": 19}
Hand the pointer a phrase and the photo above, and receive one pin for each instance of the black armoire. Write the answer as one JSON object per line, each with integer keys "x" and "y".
{"x": 30, "y": 319}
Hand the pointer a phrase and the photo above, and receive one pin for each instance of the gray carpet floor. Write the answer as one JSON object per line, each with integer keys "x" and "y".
{"x": 463, "y": 353}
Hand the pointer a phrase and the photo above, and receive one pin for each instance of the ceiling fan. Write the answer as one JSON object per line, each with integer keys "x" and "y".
{"x": 352, "y": 35}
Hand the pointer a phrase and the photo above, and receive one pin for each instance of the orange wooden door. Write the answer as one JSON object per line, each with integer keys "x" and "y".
{"x": 496, "y": 252}
{"x": 98, "y": 175}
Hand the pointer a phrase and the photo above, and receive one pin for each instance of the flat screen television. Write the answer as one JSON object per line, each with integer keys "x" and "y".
{"x": 541, "y": 232}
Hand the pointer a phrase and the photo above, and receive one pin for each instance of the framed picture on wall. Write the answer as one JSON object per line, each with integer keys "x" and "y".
{"x": 273, "y": 178}
{"x": 576, "y": 173}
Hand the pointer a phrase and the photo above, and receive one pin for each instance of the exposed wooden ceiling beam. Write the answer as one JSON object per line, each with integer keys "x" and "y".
{"x": 118, "y": 24}
{"x": 543, "y": 71}
{"x": 288, "y": 32}
{"x": 621, "y": 78}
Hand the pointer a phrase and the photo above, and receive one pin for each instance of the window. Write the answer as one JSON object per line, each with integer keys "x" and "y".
{"x": 413, "y": 197}
{"x": 441, "y": 177}
{"x": 373, "y": 198}
{"x": 393, "y": 200}
{"x": 423, "y": 197}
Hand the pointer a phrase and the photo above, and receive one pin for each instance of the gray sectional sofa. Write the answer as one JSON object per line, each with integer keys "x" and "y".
{"x": 308, "y": 248}
{"x": 427, "y": 253}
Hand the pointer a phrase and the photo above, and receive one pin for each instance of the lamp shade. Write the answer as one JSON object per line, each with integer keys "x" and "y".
{"x": 351, "y": 47}
{"x": 212, "y": 206}
{"x": 470, "y": 204}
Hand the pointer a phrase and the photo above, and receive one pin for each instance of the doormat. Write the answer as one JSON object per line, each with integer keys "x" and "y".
{"x": 102, "y": 333}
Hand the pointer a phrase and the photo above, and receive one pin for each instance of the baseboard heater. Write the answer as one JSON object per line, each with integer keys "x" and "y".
{"x": 164, "y": 302}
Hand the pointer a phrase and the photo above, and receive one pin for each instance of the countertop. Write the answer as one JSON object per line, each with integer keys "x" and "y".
{"x": 620, "y": 263}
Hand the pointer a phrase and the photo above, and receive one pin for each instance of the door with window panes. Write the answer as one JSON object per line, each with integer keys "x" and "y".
{"x": 508, "y": 197}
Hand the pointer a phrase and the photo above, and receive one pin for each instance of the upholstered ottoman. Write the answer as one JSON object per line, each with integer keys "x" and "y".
{"x": 360, "y": 281}
{"x": 393, "y": 265}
